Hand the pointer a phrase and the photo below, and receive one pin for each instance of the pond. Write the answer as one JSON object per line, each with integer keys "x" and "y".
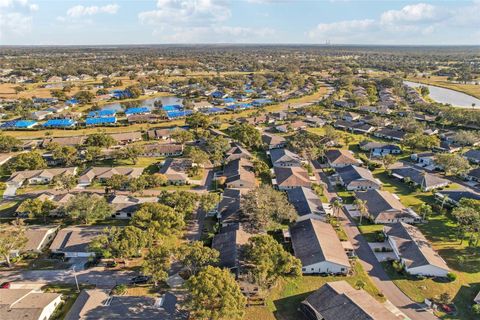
{"x": 117, "y": 106}
{"x": 443, "y": 95}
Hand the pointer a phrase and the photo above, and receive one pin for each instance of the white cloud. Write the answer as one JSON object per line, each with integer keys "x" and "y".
{"x": 420, "y": 12}
{"x": 14, "y": 23}
{"x": 24, "y": 4}
{"x": 79, "y": 10}
{"x": 325, "y": 30}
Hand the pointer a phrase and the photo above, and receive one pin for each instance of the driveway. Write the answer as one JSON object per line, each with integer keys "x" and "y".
{"x": 10, "y": 191}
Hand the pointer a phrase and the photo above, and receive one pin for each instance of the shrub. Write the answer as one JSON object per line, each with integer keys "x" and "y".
{"x": 119, "y": 289}
{"x": 476, "y": 308}
{"x": 451, "y": 276}
{"x": 397, "y": 266}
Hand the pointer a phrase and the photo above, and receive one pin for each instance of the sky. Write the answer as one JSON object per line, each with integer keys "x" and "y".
{"x": 83, "y": 22}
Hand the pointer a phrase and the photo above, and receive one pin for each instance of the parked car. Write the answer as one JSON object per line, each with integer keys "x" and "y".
{"x": 5, "y": 285}
{"x": 139, "y": 280}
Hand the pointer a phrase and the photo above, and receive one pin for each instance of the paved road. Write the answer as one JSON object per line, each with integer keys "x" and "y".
{"x": 96, "y": 276}
{"x": 370, "y": 263}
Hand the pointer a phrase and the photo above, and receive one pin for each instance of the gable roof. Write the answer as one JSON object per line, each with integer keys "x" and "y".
{"x": 413, "y": 247}
{"x": 284, "y": 155}
{"x": 384, "y": 205}
{"x": 237, "y": 152}
{"x": 341, "y": 156}
{"x": 107, "y": 172}
{"x": 419, "y": 177}
{"x": 292, "y": 177}
{"x": 353, "y": 173}
{"x": 304, "y": 200}
{"x": 75, "y": 238}
{"x": 339, "y": 301}
{"x": 229, "y": 206}
{"x": 18, "y": 304}
{"x": 20, "y": 176}
{"x": 316, "y": 241}
{"x": 272, "y": 139}
{"x": 228, "y": 243}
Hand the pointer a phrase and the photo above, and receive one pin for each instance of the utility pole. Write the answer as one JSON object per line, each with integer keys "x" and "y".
{"x": 76, "y": 280}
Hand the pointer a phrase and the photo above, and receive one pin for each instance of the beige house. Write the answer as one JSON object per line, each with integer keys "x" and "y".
{"x": 27, "y": 304}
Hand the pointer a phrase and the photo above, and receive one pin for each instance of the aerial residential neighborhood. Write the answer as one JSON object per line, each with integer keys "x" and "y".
{"x": 219, "y": 173}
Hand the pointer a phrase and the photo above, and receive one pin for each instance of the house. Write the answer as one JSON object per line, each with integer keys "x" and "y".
{"x": 473, "y": 175}
{"x": 446, "y": 146}
{"x": 40, "y": 176}
{"x": 338, "y": 158}
{"x": 273, "y": 141}
{"x": 379, "y": 149}
{"x": 317, "y": 246}
{"x": 414, "y": 251}
{"x": 40, "y": 114}
{"x": 228, "y": 242}
{"x": 162, "y": 150}
{"x": 285, "y": 158}
{"x": 228, "y": 209}
{"x": 159, "y": 134}
{"x": 28, "y": 304}
{"x": 423, "y": 179}
{"x": 425, "y": 159}
{"x": 103, "y": 173}
{"x": 281, "y": 115}
{"x": 74, "y": 241}
{"x": 94, "y": 304}
{"x": 294, "y": 126}
{"x": 290, "y": 177}
{"x": 127, "y": 137}
{"x": 384, "y": 207}
{"x": 176, "y": 170}
{"x": 355, "y": 178}
{"x": 125, "y": 206}
{"x": 351, "y": 116}
{"x": 473, "y": 156}
{"x": 307, "y": 204}
{"x": 237, "y": 152}
{"x": 315, "y": 122}
{"x": 38, "y": 237}
{"x": 453, "y": 197}
{"x": 390, "y": 134}
{"x": 239, "y": 174}
{"x": 144, "y": 118}
{"x": 64, "y": 141}
{"x": 340, "y": 301}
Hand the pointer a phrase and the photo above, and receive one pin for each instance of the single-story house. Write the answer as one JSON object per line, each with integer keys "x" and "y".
{"x": 64, "y": 141}
{"x": 125, "y": 206}
{"x": 103, "y": 173}
{"x": 228, "y": 209}
{"x": 317, "y": 246}
{"x": 425, "y": 180}
{"x": 159, "y": 134}
{"x": 290, "y": 177}
{"x": 74, "y": 241}
{"x": 127, "y": 137}
{"x": 315, "y": 122}
{"x": 273, "y": 141}
{"x": 425, "y": 159}
{"x": 239, "y": 174}
{"x": 473, "y": 175}
{"x": 338, "y": 158}
{"x": 285, "y": 158}
{"x": 93, "y": 304}
{"x": 385, "y": 207}
{"x": 355, "y": 178}
{"x": 453, "y": 197}
{"x": 390, "y": 134}
{"x": 41, "y": 176}
{"x": 237, "y": 152}
{"x": 473, "y": 156}
{"x": 162, "y": 150}
{"x": 228, "y": 242}
{"x": 176, "y": 170}
{"x": 379, "y": 149}
{"x": 306, "y": 202}
{"x": 16, "y": 304}
{"x": 340, "y": 301}
{"x": 414, "y": 251}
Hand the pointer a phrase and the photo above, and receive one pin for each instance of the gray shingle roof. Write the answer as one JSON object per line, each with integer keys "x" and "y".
{"x": 278, "y": 156}
{"x": 354, "y": 173}
{"x": 304, "y": 200}
{"x": 383, "y": 205}
{"x": 419, "y": 177}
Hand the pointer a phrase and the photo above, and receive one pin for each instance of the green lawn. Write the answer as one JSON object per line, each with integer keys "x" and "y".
{"x": 284, "y": 299}
{"x": 370, "y": 231}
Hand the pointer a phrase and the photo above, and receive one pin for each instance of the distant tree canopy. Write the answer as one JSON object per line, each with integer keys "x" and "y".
{"x": 25, "y": 161}
{"x": 246, "y": 134}
{"x": 8, "y": 143}
{"x": 100, "y": 140}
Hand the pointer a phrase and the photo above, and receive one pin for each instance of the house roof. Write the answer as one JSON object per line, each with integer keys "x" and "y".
{"x": 18, "y": 304}
{"x": 383, "y": 205}
{"x": 107, "y": 172}
{"x": 64, "y": 141}
{"x": 420, "y": 177}
{"x": 341, "y": 156}
{"x": 240, "y": 169}
{"x": 75, "y": 238}
{"x": 228, "y": 243}
{"x": 176, "y": 169}
{"x": 340, "y": 301}
{"x": 457, "y": 195}
{"x": 413, "y": 247}
{"x": 20, "y": 176}
{"x": 229, "y": 206}
{"x": 292, "y": 177}
{"x": 316, "y": 241}
{"x": 474, "y": 173}
{"x": 162, "y": 148}
{"x": 351, "y": 173}
{"x": 473, "y": 154}
{"x": 284, "y": 155}
{"x": 304, "y": 200}
{"x": 236, "y": 152}
{"x": 369, "y": 145}
{"x": 272, "y": 139}
{"x": 392, "y": 133}
{"x": 36, "y": 235}
{"x": 127, "y": 136}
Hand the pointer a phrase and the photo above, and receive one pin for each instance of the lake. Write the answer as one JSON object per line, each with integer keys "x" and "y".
{"x": 169, "y": 100}
{"x": 443, "y": 95}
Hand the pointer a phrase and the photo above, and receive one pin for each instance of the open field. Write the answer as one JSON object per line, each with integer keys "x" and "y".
{"x": 471, "y": 89}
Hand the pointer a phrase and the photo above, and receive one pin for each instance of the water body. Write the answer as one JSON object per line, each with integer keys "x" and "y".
{"x": 443, "y": 95}
{"x": 169, "y": 100}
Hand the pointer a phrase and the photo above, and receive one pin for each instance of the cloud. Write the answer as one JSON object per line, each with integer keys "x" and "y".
{"x": 325, "y": 30}
{"x": 420, "y": 12}
{"x": 16, "y": 17}
{"x": 79, "y": 10}
{"x": 24, "y": 4}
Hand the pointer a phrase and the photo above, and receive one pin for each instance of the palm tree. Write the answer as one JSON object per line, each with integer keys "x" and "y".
{"x": 361, "y": 207}
{"x": 425, "y": 210}
{"x": 336, "y": 205}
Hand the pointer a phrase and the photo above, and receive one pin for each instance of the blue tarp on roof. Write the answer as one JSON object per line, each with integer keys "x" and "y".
{"x": 59, "y": 123}
{"x": 137, "y": 110}
{"x": 102, "y": 113}
{"x": 178, "y": 114}
{"x": 212, "y": 110}
{"x": 249, "y": 91}
{"x": 229, "y": 100}
{"x": 217, "y": 94}
{"x": 259, "y": 102}
{"x": 120, "y": 94}
{"x": 72, "y": 101}
{"x": 25, "y": 123}
{"x": 172, "y": 107}
{"x": 104, "y": 120}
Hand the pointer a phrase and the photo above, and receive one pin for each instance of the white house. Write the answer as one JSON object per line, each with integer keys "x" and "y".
{"x": 16, "y": 304}
{"x": 317, "y": 246}
{"x": 73, "y": 241}
{"x": 414, "y": 251}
